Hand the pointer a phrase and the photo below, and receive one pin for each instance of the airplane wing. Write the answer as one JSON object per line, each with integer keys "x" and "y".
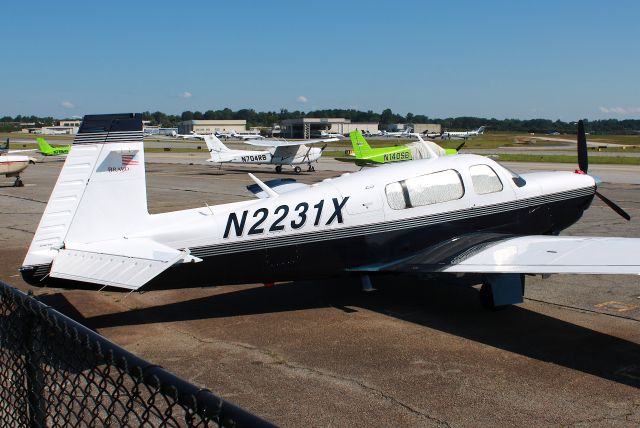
{"x": 122, "y": 263}
{"x": 284, "y": 143}
{"x": 525, "y": 254}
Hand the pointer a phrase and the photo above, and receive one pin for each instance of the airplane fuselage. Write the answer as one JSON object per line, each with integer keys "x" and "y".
{"x": 372, "y": 217}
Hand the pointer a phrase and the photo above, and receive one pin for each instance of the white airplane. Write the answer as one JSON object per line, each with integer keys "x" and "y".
{"x": 250, "y": 136}
{"x": 279, "y": 152}
{"x": 373, "y": 134}
{"x": 407, "y": 132}
{"x": 12, "y": 165}
{"x": 325, "y": 134}
{"x": 461, "y": 218}
{"x": 190, "y": 136}
{"x": 462, "y": 135}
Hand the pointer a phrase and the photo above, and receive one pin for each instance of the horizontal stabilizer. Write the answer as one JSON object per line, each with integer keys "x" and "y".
{"x": 279, "y": 185}
{"x": 123, "y": 263}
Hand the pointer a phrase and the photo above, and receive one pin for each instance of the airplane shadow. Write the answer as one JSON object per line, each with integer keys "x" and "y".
{"x": 451, "y": 309}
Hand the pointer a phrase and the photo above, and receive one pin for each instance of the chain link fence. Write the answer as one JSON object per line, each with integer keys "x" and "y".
{"x": 54, "y": 372}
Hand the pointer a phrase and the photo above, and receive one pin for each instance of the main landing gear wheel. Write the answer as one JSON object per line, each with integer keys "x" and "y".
{"x": 279, "y": 169}
{"x": 18, "y": 182}
{"x": 311, "y": 168}
{"x": 297, "y": 170}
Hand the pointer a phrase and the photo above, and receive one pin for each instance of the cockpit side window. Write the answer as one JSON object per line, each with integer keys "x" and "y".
{"x": 426, "y": 189}
{"x": 484, "y": 179}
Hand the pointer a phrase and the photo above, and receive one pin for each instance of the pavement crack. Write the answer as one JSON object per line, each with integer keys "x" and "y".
{"x": 275, "y": 359}
{"x": 23, "y": 198}
{"x": 30, "y": 232}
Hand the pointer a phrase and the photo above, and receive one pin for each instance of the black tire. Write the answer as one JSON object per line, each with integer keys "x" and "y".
{"x": 297, "y": 170}
{"x": 279, "y": 169}
{"x": 311, "y": 168}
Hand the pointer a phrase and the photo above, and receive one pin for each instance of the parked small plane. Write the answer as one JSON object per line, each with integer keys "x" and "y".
{"x": 12, "y": 165}
{"x": 190, "y": 136}
{"x": 364, "y": 154}
{"x": 48, "y": 150}
{"x": 462, "y": 135}
{"x": 407, "y": 132}
{"x": 279, "y": 152}
{"x": 249, "y": 136}
{"x": 325, "y": 134}
{"x": 461, "y": 218}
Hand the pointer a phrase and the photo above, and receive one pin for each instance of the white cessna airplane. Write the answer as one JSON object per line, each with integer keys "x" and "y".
{"x": 249, "y": 136}
{"x": 278, "y": 153}
{"x": 462, "y": 218}
{"x": 462, "y": 135}
{"x": 11, "y": 165}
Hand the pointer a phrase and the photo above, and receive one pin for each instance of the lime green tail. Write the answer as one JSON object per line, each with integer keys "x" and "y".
{"x": 44, "y": 147}
{"x": 360, "y": 146}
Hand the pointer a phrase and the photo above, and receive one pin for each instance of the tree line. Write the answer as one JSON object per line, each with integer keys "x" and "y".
{"x": 269, "y": 118}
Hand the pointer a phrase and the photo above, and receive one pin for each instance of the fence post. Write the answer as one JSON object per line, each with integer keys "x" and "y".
{"x": 34, "y": 377}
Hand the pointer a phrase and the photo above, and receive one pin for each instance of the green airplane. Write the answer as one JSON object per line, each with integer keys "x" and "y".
{"x": 421, "y": 149}
{"x": 47, "y": 150}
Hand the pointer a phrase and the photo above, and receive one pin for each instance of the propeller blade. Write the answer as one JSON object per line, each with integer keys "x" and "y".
{"x": 323, "y": 147}
{"x": 583, "y": 157}
{"x": 613, "y": 206}
{"x": 461, "y": 146}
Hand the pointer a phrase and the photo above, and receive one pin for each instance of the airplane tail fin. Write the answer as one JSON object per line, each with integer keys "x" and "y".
{"x": 216, "y": 147}
{"x": 4, "y": 146}
{"x": 481, "y": 130}
{"x": 100, "y": 193}
{"x": 44, "y": 147}
{"x": 360, "y": 146}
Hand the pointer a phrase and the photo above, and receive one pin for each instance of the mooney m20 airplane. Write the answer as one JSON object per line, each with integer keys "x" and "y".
{"x": 462, "y": 135}
{"x": 279, "y": 152}
{"x": 462, "y": 218}
{"x": 48, "y": 150}
{"x": 12, "y": 165}
{"x": 364, "y": 154}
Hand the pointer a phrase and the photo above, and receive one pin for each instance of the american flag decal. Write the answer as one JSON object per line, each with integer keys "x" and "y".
{"x": 128, "y": 160}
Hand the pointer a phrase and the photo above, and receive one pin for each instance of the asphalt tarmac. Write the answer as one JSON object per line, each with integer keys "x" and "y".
{"x": 324, "y": 353}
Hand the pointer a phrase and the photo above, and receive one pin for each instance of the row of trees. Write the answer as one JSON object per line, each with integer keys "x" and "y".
{"x": 253, "y": 118}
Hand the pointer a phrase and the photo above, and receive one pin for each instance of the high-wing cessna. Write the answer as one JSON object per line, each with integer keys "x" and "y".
{"x": 461, "y": 218}
{"x": 248, "y": 136}
{"x": 279, "y": 152}
{"x": 462, "y": 135}
{"x": 11, "y": 165}
{"x": 408, "y": 132}
{"x": 364, "y": 154}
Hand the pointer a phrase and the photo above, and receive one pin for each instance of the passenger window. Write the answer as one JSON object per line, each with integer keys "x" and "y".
{"x": 433, "y": 188}
{"x": 395, "y": 196}
{"x": 484, "y": 179}
{"x": 427, "y": 189}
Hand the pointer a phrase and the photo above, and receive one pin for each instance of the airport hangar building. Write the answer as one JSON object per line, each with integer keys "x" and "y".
{"x": 311, "y": 127}
{"x": 211, "y": 126}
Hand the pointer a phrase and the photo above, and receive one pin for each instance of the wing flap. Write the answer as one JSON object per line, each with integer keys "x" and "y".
{"x": 526, "y": 254}
{"x": 555, "y": 254}
{"x": 122, "y": 263}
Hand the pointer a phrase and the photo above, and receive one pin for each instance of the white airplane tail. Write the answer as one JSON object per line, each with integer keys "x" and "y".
{"x": 216, "y": 148}
{"x": 100, "y": 193}
{"x": 481, "y": 130}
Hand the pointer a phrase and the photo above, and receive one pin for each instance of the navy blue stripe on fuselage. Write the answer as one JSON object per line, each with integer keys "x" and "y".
{"x": 368, "y": 229}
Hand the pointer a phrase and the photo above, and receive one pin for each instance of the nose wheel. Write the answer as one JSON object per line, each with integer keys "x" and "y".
{"x": 18, "y": 182}
{"x": 311, "y": 168}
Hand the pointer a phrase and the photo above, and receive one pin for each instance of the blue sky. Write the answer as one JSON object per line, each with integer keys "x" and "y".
{"x": 505, "y": 59}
